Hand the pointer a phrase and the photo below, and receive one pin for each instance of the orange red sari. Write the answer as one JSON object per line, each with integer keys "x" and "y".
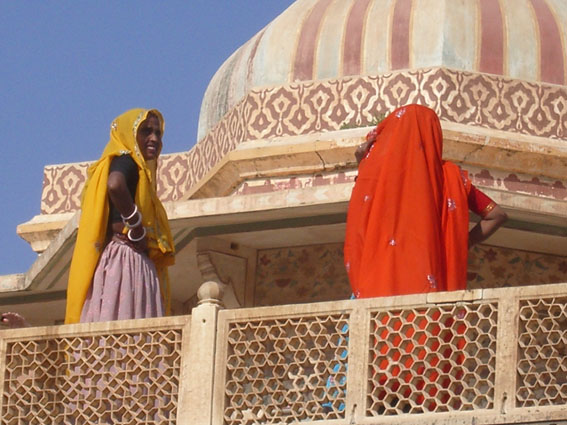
{"x": 407, "y": 223}
{"x": 407, "y": 233}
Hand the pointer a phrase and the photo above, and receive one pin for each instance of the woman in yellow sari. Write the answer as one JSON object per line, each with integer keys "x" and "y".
{"x": 124, "y": 244}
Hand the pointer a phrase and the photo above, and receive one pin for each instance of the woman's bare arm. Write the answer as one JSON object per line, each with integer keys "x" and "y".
{"x": 120, "y": 195}
{"x": 487, "y": 226}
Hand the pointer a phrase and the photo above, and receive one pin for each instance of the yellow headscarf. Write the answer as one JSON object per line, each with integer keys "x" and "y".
{"x": 94, "y": 213}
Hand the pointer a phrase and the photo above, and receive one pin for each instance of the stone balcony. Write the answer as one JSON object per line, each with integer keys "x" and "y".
{"x": 487, "y": 356}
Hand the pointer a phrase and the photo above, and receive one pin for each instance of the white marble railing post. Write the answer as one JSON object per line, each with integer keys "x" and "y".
{"x": 198, "y": 366}
{"x": 359, "y": 329}
{"x": 506, "y": 359}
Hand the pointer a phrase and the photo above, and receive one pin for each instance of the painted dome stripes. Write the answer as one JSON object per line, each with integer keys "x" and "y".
{"x": 492, "y": 37}
{"x": 552, "y": 68}
{"x": 321, "y": 39}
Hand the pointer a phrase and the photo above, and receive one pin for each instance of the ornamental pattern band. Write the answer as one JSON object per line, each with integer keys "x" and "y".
{"x": 481, "y": 100}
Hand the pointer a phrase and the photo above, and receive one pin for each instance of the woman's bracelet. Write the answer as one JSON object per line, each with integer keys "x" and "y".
{"x": 138, "y": 220}
{"x": 131, "y": 215}
{"x": 131, "y": 239}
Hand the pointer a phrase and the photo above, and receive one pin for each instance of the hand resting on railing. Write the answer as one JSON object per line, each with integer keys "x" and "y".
{"x": 13, "y": 320}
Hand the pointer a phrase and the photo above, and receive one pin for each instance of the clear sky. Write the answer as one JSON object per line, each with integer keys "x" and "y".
{"x": 68, "y": 67}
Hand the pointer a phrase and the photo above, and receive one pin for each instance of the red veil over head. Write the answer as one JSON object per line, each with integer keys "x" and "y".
{"x": 407, "y": 223}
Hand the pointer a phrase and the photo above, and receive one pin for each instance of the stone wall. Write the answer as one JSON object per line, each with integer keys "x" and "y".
{"x": 316, "y": 272}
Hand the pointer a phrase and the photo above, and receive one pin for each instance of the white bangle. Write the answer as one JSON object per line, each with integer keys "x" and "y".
{"x": 136, "y": 224}
{"x": 135, "y": 213}
{"x": 131, "y": 239}
{"x": 131, "y": 215}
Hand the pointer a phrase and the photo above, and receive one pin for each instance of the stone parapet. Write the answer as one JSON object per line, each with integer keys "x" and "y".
{"x": 484, "y": 356}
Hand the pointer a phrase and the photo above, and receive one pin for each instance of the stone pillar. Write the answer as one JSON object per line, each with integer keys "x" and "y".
{"x": 198, "y": 364}
{"x": 209, "y": 273}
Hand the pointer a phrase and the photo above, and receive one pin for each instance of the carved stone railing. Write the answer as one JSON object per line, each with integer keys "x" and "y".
{"x": 472, "y": 357}
{"x": 101, "y": 373}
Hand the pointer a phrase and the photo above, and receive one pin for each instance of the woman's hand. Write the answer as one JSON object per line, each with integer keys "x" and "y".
{"x": 362, "y": 150}
{"x": 136, "y": 233}
{"x": 13, "y": 320}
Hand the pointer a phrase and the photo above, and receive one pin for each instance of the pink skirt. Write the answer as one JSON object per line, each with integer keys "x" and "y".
{"x": 125, "y": 286}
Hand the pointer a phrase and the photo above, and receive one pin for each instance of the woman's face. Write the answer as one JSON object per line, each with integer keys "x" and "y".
{"x": 149, "y": 138}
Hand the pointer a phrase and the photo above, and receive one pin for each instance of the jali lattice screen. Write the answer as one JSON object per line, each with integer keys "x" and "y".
{"x": 286, "y": 370}
{"x": 542, "y": 353}
{"x": 432, "y": 359}
{"x": 127, "y": 378}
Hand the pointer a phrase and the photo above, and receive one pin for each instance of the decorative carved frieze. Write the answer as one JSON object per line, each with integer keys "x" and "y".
{"x": 479, "y": 100}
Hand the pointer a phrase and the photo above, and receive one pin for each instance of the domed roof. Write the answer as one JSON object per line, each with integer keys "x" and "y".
{"x": 320, "y": 39}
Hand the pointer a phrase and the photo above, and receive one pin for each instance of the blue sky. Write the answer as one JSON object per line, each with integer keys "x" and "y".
{"x": 70, "y": 66}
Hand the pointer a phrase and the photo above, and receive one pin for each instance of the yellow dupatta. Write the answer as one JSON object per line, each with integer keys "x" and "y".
{"x": 94, "y": 214}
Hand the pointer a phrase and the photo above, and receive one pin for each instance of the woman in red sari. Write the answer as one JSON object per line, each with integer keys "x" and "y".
{"x": 407, "y": 224}
{"x": 408, "y": 233}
